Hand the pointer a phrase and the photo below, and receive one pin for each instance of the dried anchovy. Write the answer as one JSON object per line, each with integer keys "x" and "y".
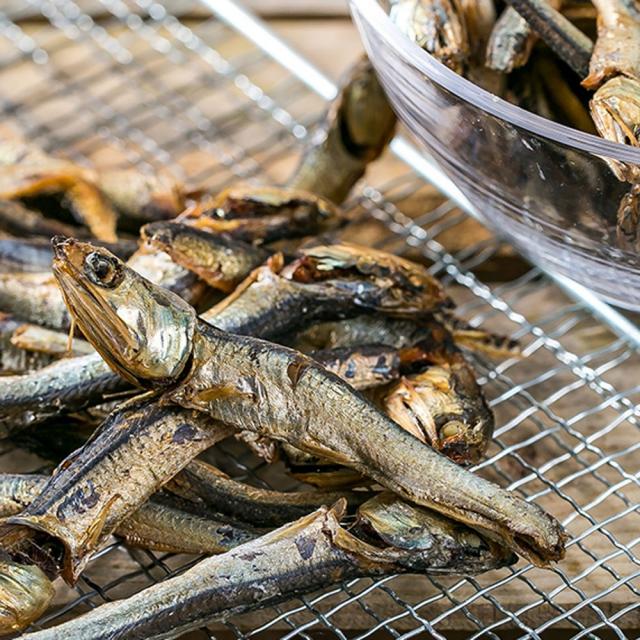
{"x": 300, "y": 557}
{"x": 229, "y": 377}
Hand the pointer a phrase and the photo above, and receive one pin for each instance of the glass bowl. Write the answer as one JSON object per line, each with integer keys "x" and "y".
{"x": 545, "y": 187}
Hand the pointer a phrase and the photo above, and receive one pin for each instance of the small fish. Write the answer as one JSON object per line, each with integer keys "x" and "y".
{"x": 25, "y": 594}
{"x": 215, "y": 258}
{"x": 229, "y": 377}
{"x": 326, "y": 281}
{"x": 28, "y": 173}
{"x": 562, "y": 37}
{"x": 35, "y": 255}
{"x": 443, "y": 407}
{"x": 615, "y": 109}
{"x": 163, "y": 523}
{"x": 17, "y": 220}
{"x": 264, "y": 214}
{"x": 617, "y": 49}
{"x": 95, "y": 488}
{"x": 437, "y": 26}
{"x": 356, "y": 130}
{"x": 300, "y": 557}
{"x": 200, "y": 481}
{"x": 512, "y": 40}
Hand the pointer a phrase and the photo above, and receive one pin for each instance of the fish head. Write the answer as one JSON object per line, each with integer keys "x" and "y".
{"x": 25, "y": 594}
{"x": 143, "y": 331}
{"x": 376, "y": 280}
{"x": 424, "y": 540}
{"x": 444, "y": 407}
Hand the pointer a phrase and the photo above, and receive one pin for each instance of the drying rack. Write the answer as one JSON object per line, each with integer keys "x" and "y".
{"x": 219, "y": 99}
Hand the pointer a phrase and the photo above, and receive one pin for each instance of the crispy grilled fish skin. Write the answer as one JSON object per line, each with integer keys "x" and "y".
{"x": 261, "y": 214}
{"x": 617, "y": 48}
{"x": 230, "y": 377}
{"x": 86, "y": 497}
{"x": 217, "y": 259}
{"x": 262, "y": 507}
{"x": 444, "y": 407}
{"x": 17, "y": 220}
{"x": 436, "y": 26}
{"x": 163, "y": 523}
{"x": 300, "y": 557}
{"x": 364, "y": 367}
{"x": 355, "y": 131}
{"x": 327, "y": 281}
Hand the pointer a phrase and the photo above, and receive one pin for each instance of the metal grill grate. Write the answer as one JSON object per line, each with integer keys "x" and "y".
{"x": 135, "y": 84}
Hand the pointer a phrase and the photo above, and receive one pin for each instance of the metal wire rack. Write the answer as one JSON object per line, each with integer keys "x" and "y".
{"x": 133, "y": 83}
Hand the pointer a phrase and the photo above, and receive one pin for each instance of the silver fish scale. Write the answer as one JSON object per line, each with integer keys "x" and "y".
{"x": 127, "y": 82}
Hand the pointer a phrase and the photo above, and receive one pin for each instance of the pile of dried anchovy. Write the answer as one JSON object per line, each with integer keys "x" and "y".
{"x": 343, "y": 361}
{"x": 540, "y": 55}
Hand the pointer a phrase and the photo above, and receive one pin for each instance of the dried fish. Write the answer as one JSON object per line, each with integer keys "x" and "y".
{"x": 300, "y": 557}
{"x": 436, "y": 26}
{"x": 228, "y": 377}
{"x": 617, "y": 49}
{"x": 217, "y": 259}
{"x": 263, "y": 214}
{"x": 86, "y": 498}
{"x": 26, "y": 172}
{"x": 17, "y": 220}
{"x": 163, "y": 523}
{"x": 356, "y": 129}
{"x": 200, "y": 481}
{"x": 326, "y": 281}
{"x": 443, "y": 407}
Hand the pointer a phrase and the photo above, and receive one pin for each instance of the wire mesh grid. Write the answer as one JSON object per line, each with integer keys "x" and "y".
{"x": 137, "y": 85}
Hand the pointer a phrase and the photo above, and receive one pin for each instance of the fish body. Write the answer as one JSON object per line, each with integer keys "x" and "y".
{"x": 356, "y": 129}
{"x": 300, "y": 557}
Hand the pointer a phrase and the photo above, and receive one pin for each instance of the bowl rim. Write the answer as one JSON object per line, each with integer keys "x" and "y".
{"x": 427, "y": 64}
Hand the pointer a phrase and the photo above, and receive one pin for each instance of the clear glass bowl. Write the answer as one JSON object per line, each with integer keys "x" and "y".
{"x": 544, "y": 186}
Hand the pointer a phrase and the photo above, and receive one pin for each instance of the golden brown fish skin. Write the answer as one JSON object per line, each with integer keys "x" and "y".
{"x": 617, "y": 48}
{"x": 356, "y": 129}
{"x": 230, "y": 376}
{"x": 443, "y": 407}
{"x": 437, "y": 26}
{"x": 362, "y": 367}
{"x": 327, "y": 281}
{"x": 105, "y": 481}
{"x": 163, "y": 523}
{"x": 262, "y": 507}
{"x": 628, "y": 218}
{"x": 303, "y": 556}
{"x": 25, "y": 594}
{"x": 140, "y": 197}
{"x": 262, "y": 214}
{"x": 615, "y": 109}
{"x": 217, "y": 259}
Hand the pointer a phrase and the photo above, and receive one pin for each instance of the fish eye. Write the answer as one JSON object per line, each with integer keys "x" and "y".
{"x": 102, "y": 270}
